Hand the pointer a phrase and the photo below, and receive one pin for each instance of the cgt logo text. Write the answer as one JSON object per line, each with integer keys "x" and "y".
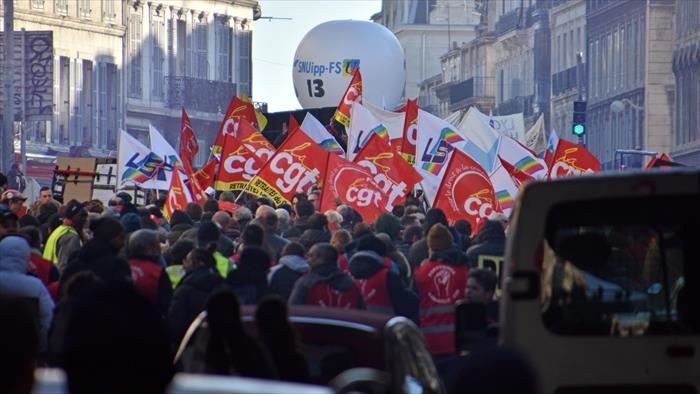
{"x": 344, "y": 67}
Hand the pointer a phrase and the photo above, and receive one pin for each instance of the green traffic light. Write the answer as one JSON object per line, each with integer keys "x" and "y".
{"x": 579, "y": 129}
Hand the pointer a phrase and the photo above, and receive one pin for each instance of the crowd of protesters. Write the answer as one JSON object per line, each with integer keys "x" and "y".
{"x": 112, "y": 281}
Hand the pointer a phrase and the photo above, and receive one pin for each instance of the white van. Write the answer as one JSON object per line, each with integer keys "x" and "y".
{"x": 601, "y": 282}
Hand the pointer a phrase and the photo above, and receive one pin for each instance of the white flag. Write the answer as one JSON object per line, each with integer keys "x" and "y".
{"x": 162, "y": 148}
{"x": 317, "y": 132}
{"x": 132, "y": 161}
{"x": 362, "y": 125}
{"x": 393, "y": 121}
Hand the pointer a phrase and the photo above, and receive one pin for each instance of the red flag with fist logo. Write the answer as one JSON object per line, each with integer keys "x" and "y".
{"x": 352, "y": 184}
{"x": 466, "y": 191}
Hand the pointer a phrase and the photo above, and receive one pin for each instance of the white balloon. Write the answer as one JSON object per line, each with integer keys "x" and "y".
{"x": 328, "y": 54}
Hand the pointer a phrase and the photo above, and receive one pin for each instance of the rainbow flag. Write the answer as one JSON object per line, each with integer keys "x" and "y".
{"x": 505, "y": 201}
{"x": 332, "y": 146}
{"x": 528, "y": 165}
{"x": 144, "y": 170}
{"x": 381, "y": 131}
{"x": 450, "y": 136}
{"x": 433, "y": 168}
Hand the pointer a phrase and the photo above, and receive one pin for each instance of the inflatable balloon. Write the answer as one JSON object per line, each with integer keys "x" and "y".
{"x": 329, "y": 53}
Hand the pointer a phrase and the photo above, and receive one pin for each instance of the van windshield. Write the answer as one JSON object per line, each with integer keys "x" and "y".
{"x": 615, "y": 273}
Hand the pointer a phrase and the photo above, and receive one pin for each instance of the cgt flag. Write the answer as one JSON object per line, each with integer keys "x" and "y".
{"x": 466, "y": 191}
{"x": 352, "y": 94}
{"x": 394, "y": 176}
{"x": 297, "y": 165}
{"x": 178, "y": 195}
{"x": 237, "y": 110}
{"x": 352, "y": 184}
{"x": 205, "y": 175}
{"x": 572, "y": 159}
{"x": 188, "y": 142}
{"x": 407, "y": 148}
{"x": 238, "y": 165}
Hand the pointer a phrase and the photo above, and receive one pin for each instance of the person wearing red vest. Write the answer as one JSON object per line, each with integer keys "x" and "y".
{"x": 382, "y": 288}
{"x": 441, "y": 281}
{"x": 326, "y": 285}
{"x": 149, "y": 275}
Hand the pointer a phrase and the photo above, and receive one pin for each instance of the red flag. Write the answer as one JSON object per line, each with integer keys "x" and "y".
{"x": 410, "y": 128}
{"x": 466, "y": 191}
{"x": 297, "y": 165}
{"x": 352, "y": 94}
{"x": 293, "y": 124}
{"x": 663, "y": 161}
{"x": 519, "y": 177}
{"x": 205, "y": 175}
{"x": 394, "y": 176}
{"x": 196, "y": 191}
{"x": 188, "y": 142}
{"x": 572, "y": 159}
{"x": 178, "y": 195}
{"x": 237, "y": 110}
{"x": 253, "y": 140}
{"x": 353, "y": 185}
{"x": 238, "y": 165}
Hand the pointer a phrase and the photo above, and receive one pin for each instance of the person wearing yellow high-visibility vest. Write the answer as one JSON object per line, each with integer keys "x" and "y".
{"x": 67, "y": 238}
{"x": 208, "y": 233}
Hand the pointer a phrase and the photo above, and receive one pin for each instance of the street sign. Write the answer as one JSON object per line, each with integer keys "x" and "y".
{"x": 33, "y": 75}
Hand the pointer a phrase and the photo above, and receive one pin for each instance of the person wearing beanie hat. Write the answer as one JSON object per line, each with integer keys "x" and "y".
{"x": 67, "y": 238}
{"x": 490, "y": 240}
{"x": 419, "y": 250}
{"x": 131, "y": 222}
{"x": 388, "y": 224}
{"x": 14, "y": 281}
{"x": 179, "y": 223}
{"x": 441, "y": 282}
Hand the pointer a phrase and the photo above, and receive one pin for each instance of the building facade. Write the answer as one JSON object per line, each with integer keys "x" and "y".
{"x": 568, "y": 26}
{"x": 686, "y": 69}
{"x": 631, "y": 88}
{"x": 427, "y": 29}
{"x": 192, "y": 54}
{"x": 88, "y": 38}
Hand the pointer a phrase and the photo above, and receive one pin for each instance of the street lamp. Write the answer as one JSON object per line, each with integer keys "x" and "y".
{"x": 618, "y": 106}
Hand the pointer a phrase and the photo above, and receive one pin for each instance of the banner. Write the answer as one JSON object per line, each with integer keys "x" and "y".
{"x": 436, "y": 139}
{"x": 237, "y": 109}
{"x": 392, "y": 121}
{"x": 205, "y": 175}
{"x": 521, "y": 158}
{"x": 317, "y": 132}
{"x": 353, "y": 185}
{"x": 466, "y": 191}
{"x": 188, "y": 142}
{"x": 162, "y": 148}
{"x": 238, "y": 165}
{"x": 178, "y": 196}
{"x": 407, "y": 147}
{"x": 352, "y": 94}
{"x": 393, "y": 175}
{"x": 572, "y": 159}
{"x": 536, "y": 137}
{"x": 135, "y": 162}
{"x": 297, "y": 165}
{"x": 505, "y": 190}
{"x": 482, "y": 139}
{"x": 362, "y": 125}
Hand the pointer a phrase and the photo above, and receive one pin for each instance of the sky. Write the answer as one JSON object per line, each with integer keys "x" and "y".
{"x": 275, "y": 42}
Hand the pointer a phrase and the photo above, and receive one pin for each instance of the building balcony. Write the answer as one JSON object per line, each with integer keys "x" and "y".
{"x": 198, "y": 94}
{"x": 518, "y": 18}
{"x": 516, "y": 105}
{"x": 478, "y": 91}
{"x": 566, "y": 80}
{"x": 442, "y": 90}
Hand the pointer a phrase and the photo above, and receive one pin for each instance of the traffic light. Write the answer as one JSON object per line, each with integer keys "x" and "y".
{"x": 579, "y": 126}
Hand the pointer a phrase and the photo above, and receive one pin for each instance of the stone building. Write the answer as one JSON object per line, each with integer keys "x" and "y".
{"x": 88, "y": 38}
{"x": 685, "y": 144}
{"x": 631, "y": 87}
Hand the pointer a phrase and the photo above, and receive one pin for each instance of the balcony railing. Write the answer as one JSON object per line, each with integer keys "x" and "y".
{"x": 518, "y": 18}
{"x": 198, "y": 94}
{"x": 478, "y": 91}
{"x": 566, "y": 80}
{"x": 516, "y": 105}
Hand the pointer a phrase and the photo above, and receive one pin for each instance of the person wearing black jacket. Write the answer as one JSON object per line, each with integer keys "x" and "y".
{"x": 489, "y": 243}
{"x": 290, "y": 267}
{"x": 191, "y": 295}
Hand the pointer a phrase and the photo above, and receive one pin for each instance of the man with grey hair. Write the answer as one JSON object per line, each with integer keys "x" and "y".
{"x": 147, "y": 271}
{"x": 242, "y": 216}
{"x": 283, "y": 220}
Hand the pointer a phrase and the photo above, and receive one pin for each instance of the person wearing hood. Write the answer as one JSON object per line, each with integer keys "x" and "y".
{"x": 179, "y": 223}
{"x": 191, "y": 295}
{"x": 489, "y": 244}
{"x": 67, "y": 238}
{"x": 291, "y": 266}
{"x": 14, "y": 281}
{"x": 149, "y": 275}
{"x": 383, "y": 290}
{"x": 326, "y": 285}
{"x": 419, "y": 250}
{"x": 441, "y": 282}
{"x": 316, "y": 232}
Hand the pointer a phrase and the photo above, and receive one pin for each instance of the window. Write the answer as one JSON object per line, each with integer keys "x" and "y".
{"x": 134, "y": 63}
{"x": 200, "y": 64}
{"x": 244, "y": 40}
{"x": 158, "y": 58}
{"x": 61, "y": 7}
{"x": 37, "y": 5}
{"x": 84, "y": 10}
{"x": 223, "y": 50}
{"x": 109, "y": 12}
{"x": 565, "y": 52}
